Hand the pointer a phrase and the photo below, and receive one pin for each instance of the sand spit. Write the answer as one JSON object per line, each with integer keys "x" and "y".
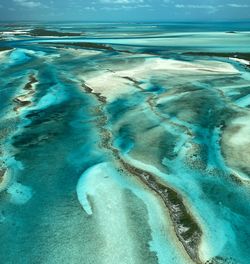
{"x": 25, "y": 99}
{"x": 4, "y": 53}
{"x": 4, "y": 179}
{"x": 101, "y": 190}
{"x": 114, "y": 84}
{"x": 246, "y": 62}
{"x": 236, "y": 145}
{"x": 186, "y": 228}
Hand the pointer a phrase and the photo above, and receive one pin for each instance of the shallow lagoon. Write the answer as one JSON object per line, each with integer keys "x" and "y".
{"x": 129, "y": 144}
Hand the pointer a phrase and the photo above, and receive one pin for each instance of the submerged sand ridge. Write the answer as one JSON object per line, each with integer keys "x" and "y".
{"x": 132, "y": 152}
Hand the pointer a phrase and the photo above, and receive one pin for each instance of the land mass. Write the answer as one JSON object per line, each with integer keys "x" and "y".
{"x": 41, "y": 32}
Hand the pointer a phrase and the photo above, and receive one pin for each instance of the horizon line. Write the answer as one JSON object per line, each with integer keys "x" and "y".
{"x": 128, "y": 21}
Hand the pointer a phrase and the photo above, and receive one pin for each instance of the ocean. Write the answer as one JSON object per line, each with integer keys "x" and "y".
{"x": 124, "y": 143}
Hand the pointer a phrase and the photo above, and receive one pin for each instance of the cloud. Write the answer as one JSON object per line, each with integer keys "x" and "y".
{"x": 195, "y": 6}
{"x": 124, "y": 2}
{"x": 112, "y": 5}
{"x": 29, "y": 4}
{"x": 209, "y": 8}
{"x": 238, "y": 6}
{"x": 114, "y": 8}
{"x": 90, "y": 8}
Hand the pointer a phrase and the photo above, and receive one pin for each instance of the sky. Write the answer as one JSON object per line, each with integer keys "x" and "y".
{"x": 126, "y": 10}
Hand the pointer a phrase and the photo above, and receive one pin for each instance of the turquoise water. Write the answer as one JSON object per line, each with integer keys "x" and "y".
{"x": 129, "y": 144}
